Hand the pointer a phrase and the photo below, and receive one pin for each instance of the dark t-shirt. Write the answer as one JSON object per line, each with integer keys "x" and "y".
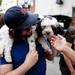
{"x": 19, "y": 52}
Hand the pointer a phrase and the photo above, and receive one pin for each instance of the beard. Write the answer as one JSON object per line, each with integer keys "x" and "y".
{"x": 27, "y": 35}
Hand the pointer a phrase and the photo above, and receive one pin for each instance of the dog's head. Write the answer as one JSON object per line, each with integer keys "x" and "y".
{"x": 47, "y": 23}
{"x": 45, "y": 26}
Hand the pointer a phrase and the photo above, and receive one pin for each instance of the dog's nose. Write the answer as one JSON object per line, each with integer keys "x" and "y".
{"x": 48, "y": 33}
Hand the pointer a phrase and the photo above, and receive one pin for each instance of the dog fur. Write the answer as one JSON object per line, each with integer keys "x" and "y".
{"x": 5, "y": 43}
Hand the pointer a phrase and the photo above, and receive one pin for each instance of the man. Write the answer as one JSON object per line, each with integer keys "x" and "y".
{"x": 23, "y": 60}
{"x": 6, "y": 66}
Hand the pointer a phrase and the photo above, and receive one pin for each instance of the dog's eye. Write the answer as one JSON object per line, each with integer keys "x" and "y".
{"x": 43, "y": 27}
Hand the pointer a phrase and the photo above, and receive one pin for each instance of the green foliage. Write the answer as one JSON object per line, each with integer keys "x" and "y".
{"x": 0, "y": 2}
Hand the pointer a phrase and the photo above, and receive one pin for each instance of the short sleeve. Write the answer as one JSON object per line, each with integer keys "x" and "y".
{"x": 3, "y": 61}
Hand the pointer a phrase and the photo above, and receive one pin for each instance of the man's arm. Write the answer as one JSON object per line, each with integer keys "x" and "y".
{"x": 21, "y": 70}
{"x": 69, "y": 63}
{"x": 50, "y": 55}
{"x": 69, "y": 53}
{"x": 5, "y": 68}
{"x": 8, "y": 70}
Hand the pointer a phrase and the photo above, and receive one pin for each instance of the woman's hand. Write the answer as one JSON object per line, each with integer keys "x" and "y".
{"x": 58, "y": 42}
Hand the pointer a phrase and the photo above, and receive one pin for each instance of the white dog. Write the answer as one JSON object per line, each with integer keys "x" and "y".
{"x": 32, "y": 38}
{"x": 46, "y": 24}
{"x": 5, "y": 43}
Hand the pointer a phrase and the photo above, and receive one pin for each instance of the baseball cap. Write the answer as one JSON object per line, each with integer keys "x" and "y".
{"x": 17, "y": 17}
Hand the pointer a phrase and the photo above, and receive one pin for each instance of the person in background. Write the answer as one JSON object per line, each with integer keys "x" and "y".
{"x": 60, "y": 44}
{"x": 70, "y": 36}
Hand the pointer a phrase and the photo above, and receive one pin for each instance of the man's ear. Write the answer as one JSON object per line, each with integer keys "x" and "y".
{"x": 11, "y": 32}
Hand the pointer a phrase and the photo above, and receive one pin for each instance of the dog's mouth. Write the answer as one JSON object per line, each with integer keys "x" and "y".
{"x": 47, "y": 31}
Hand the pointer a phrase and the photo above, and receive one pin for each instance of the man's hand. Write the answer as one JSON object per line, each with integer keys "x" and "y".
{"x": 31, "y": 58}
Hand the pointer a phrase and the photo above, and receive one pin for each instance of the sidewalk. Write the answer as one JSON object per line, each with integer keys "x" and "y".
{"x": 53, "y": 68}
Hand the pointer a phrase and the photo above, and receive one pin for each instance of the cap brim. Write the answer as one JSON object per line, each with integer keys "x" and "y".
{"x": 31, "y": 20}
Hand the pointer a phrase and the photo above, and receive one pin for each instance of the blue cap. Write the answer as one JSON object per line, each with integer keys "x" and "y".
{"x": 17, "y": 17}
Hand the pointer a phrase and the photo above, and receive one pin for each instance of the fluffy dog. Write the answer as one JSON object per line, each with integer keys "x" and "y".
{"x": 41, "y": 32}
{"x": 32, "y": 38}
{"x": 5, "y": 43}
{"x": 46, "y": 24}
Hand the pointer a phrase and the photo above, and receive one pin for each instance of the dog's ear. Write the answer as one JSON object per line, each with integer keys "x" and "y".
{"x": 58, "y": 30}
{"x": 39, "y": 30}
{"x": 54, "y": 30}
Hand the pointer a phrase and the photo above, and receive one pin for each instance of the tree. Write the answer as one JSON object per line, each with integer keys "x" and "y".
{"x": 0, "y": 2}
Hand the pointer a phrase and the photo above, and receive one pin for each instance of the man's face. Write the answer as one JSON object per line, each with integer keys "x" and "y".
{"x": 27, "y": 32}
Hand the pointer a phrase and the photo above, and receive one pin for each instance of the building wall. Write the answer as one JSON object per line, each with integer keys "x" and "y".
{"x": 49, "y": 7}
{"x": 45, "y": 7}
{"x": 6, "y": 4}
{"x": 9, "y": 3}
